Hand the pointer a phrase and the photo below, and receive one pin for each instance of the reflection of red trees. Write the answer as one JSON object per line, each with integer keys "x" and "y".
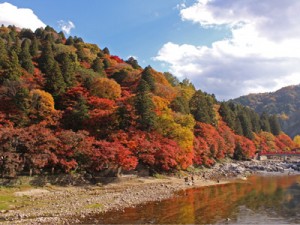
{"x": 202, "y": 205}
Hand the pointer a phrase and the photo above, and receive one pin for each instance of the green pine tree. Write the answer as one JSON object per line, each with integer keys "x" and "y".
{"x": 264, "y": 122}
{"x": 180, "y": 104}
{"x": 274, "y": 125}
{"x": 145, "y": 107}
{"x": 202, "y": 108}
{"x": 46, "y": 60}
{"x": 98, "y": 66}
{"x": 4, "y": 58}
{"x": 133, "y": 62}
{"x": 25, "y": 57}
{"x": 68, "y": 68}
{"x": 13, "y": 68}
{"x": 148, "y": 77}
{"x": 246, "y": 125}
{"x": 55, "y": 83}
{"x": 34, "y": 47}
{"x": 227, "y": 115}
{"x": 79, "y": 114}
{"x": 17, "y": 45}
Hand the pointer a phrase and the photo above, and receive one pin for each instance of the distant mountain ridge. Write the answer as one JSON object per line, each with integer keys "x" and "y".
{"x": 285, "y": 103}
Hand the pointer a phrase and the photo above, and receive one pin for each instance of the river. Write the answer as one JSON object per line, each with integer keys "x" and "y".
{"x": 258, "y": 200}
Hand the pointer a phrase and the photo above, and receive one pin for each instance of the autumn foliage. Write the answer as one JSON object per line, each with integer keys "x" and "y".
{"x": 75, "y": 107}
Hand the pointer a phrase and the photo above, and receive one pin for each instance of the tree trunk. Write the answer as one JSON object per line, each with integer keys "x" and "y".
{"x": 119, "y": 171}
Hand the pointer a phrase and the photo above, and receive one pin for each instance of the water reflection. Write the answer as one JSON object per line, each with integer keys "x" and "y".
{"x": 259, "y": 200}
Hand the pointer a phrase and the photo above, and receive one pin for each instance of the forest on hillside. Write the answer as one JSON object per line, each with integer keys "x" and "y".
{"x": 70, "y": 106}
{"x": 285, "y": 103}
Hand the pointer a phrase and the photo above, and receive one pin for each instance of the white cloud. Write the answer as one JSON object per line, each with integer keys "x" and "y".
{"x": 261, "y": 55}
{"x": 66, "y": 27}
{"x": 20, "y": 17}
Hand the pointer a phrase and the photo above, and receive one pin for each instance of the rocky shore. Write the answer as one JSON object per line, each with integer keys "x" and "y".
{"x": 52, "y": 204}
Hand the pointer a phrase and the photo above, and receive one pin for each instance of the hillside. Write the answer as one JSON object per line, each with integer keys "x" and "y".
{"x": 70, "y": 106}
{"x": 285, "y": 103}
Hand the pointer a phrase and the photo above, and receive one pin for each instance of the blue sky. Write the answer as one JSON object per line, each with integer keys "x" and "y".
{"x": 226, "y": 47}
{"x": 127, "y": 27}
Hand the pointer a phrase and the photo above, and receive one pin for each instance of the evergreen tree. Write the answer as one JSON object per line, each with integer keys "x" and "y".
{"x": 238, "y": 152}
{"x": 264, "y": 122}
{"x": 9, "y": 42}
{"x": 49, "y": 29}
{"x": 227, "y": 115}
{"x": 25, "y": 57}
{"x": 68, "y": 68}
{"x": 187, "y": 83}
{"x": 17, "y": 46}
{"x": 12, "y": 67}
{"x": 34, "y": 47}
{"x": 106, "y": 51}
{"x": 98, "y": 66}
{"x": 80, "y": 52}
{"x": 124, "y": 118}
{"x": 49, "y": 37}
{"x": 119, "y": 76}
{"x": 106, "y": 63}
{"x": 246, "y": 125}
{"x": 70, "y": 41}
{"x": 254, "y": 117}
{"x": 26, "y": 33}
{"x": 13, "y": 34}
{"x": 39, "y": 33}
{"x": 77, "y": 40}
{"x": 238, "y": 127}
{"x": 144, "y": 107}
{"x": 80, "y": 113}
{"x": 133, "y": 62}
{"x": 55, "y": 84}
{"x": 62, "y": 35}
{"x": 180, "y": 104}
{"x": 172, "y": 79}
{"x": 148, "y": 77}
{"x": 3, "y": 55}
{"x": 46, "y": 60}
{"x": 274, "y": 125}
{"x": 21, "y": 99}
{"x": 202, "y": 108}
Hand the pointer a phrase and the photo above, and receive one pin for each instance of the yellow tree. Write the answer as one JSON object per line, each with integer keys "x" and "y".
{"x": 106, "y": 88}
{"x": 297, "y": 140}
{"x": 41, "y": 105}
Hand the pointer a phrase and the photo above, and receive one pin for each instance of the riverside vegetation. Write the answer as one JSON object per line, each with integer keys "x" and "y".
{"x": 70, "y": 107}
{"x": 71, "y": 199}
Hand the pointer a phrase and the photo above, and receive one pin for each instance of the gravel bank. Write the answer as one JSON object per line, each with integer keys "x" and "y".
{"x": 70, "y": 204}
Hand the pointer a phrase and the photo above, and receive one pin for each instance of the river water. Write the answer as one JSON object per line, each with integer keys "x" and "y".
{"x": 259, "y": 200}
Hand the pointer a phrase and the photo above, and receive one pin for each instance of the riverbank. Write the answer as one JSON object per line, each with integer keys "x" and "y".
{"x": 52, "y": 204}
